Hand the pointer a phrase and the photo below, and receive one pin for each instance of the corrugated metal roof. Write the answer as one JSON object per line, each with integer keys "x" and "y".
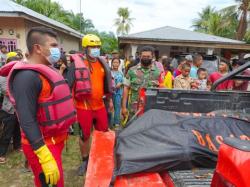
{"x": 8, "y": 7}
{"x": 174, "y": 34}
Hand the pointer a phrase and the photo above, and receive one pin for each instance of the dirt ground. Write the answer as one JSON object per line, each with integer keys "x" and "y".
{"x": 12, "y": 173}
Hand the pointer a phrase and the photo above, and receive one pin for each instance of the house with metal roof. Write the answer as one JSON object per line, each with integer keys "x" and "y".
{"x": 172, "y": 41}
{"x": 16, "y": 20}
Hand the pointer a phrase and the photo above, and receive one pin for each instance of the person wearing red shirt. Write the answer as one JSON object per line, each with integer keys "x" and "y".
{"x": 240, "y": 85}
{"x": 223, "y": 70}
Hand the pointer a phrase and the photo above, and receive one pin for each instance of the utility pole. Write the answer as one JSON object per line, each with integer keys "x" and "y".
{"x": 80, "y": 16}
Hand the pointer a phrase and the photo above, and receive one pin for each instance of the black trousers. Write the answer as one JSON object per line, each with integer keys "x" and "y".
{"x": 9, "y": 129}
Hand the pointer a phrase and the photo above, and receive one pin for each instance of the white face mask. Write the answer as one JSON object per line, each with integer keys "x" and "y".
{"x": 54, "y": 56}
{"x": 95, "y": 52}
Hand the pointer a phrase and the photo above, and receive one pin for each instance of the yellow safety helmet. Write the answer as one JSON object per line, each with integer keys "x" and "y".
{"x": 10, "y": 55}
{"x": 91, "y": 40}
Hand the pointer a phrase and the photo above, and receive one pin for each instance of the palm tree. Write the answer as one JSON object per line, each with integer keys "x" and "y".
{"x": 247, "y": 37}
{"x": 221, "y": 23}
{"x": 201, "y": 24}
{"x": 124, "y": 22}
{"x": 244, "y": 7}
{"x": 239, "y": 11}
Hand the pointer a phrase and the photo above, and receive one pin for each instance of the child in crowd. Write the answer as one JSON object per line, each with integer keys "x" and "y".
{"x": 117, "y": 96}
{"x": 184, "y": 81}
{"x": 201, "y": 83}
{"x": 177, "y": 71}
{"x": 168, "y": 76}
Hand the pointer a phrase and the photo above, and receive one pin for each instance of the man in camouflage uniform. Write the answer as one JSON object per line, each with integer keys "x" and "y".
{"x": 143, "y": 75}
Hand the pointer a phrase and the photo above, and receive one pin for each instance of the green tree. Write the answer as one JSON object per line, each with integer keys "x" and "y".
{"x": 244, "y": 7}
{"x": 247, "y": 37}
{"x": 201, "y": 24}
{"x": 109, "y": 42}
{"x": 241, "y": 11}
{"x": 55, "y": 11}
{"x": 86, "y": 24}
{"x": 230, "y": 21}
{"x": 45, "y": 7}
{"x": 221, "y": 23}
{"x": 123, "y": 22}
{"x": 234, "y": 23}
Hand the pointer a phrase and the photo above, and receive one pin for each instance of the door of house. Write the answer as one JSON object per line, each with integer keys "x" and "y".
{"x": 10, "y": 43}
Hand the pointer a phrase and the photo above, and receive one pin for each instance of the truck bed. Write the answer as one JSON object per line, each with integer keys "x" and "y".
{"x": 101, "y": 160}
{"x": 192, "y": 178}
{"x": 101, "y": 165}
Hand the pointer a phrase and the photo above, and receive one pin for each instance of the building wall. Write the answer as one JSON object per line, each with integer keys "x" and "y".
{"x": 20, "y": 29}
{"x": 127, "y": 51}
{"x": 66, "y": 41}
{"x": 9, "y": 24}
{"x": 171, "y": 51}
{"x": 164, "y": 50}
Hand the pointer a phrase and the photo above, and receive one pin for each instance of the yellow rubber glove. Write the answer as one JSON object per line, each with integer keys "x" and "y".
{"x": 125, "y": 120}
{"x": 48, "y": 164}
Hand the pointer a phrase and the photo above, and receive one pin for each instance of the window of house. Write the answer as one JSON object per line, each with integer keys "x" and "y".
{"x": 10, "y": 43}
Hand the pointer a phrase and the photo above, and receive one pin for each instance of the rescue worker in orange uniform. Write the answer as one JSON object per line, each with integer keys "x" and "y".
{"x": 43, "y": 104}
{"x": 90, "y": 78}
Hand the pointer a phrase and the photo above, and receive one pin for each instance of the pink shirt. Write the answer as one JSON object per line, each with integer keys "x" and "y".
{"x": 159, "y": 66}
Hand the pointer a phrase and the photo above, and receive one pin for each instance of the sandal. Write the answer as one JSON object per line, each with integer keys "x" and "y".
{"x": 2, "y": 160}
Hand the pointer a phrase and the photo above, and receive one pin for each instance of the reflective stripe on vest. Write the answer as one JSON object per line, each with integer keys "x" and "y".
{"x": 55, "y": 113}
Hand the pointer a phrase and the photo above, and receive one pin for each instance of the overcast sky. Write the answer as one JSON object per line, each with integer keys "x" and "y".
{"x": 148, "y": 14}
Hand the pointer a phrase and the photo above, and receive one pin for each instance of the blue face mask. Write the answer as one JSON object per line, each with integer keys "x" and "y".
{"x": 55, "y": 55}
{"x": 95, "y": 52}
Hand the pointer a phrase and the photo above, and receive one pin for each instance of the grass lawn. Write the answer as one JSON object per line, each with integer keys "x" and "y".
{"x": 12, "y": 175}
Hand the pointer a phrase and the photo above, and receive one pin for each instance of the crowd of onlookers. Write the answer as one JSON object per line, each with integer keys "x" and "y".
{"x": 9, "y": 126}
{"x": 187, "y": 74}
{"x": 191, "y": 75}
